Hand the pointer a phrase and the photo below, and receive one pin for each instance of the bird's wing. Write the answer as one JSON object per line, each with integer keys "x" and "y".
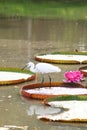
{"x": 46, "y": 68}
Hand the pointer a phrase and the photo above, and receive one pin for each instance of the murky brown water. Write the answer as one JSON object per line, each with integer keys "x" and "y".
{"x": 20, "y": 41}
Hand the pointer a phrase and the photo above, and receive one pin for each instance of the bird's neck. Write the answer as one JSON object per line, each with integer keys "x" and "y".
{"x": 32, "y": 68}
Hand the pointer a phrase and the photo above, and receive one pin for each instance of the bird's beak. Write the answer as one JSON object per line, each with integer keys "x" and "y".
{"x": 24, "y": 67}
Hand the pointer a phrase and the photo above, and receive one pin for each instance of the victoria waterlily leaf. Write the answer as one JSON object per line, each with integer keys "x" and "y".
{"x": 83, "y": 70}
{"x": 74, "y": 106}
{"x": 66, "y": 98}
{"x": 71, "y": 53}
{"x": 15, "y": 75}
{"x": 44, "y": 90}
{"x": 63, "y": 57}
{"x": 74, "y": 111}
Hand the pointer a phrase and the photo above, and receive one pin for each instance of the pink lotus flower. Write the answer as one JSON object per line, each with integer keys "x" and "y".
{"x": 73, "y": 76}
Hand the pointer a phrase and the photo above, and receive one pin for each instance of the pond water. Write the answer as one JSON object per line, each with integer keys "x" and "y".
{"x": 20, "y": 41}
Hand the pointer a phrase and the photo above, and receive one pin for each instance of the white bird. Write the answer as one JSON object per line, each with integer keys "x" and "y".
{"x": 42, "y": 68}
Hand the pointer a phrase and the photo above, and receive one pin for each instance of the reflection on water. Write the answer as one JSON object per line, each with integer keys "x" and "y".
{"x": 13, "y": 28}
{"x": 42, "y": 110}
{"x": 22, "y": 39}
{"x": 62, "y": 33}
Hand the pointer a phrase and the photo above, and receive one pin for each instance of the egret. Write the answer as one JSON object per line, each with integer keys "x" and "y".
{"x": 42, "y": 68}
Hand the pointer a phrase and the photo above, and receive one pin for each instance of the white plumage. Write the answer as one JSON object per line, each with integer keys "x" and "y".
{"x": 42, "y": 68}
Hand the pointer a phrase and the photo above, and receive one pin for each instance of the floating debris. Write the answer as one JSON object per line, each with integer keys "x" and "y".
{"x": 10, "y": 96}
{"x": 3, "y": 128}
{"x": 15, "y": 127}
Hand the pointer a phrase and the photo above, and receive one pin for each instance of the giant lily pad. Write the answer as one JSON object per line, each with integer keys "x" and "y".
{"x": 14, "y": 75}
{"x": 43, "y": 91}
{"x": 63, "y": 57}
{"x": 70, "y": 97}
{"x": 83, "y": 70}
{"x": 75, "y": 109}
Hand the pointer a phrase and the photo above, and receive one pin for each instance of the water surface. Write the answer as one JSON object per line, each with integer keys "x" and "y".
{"x": 22, "y": 39}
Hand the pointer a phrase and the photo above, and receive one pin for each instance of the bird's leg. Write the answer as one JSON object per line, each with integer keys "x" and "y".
{"x": 42, "y": 79}
{"x": 49, "y": 79}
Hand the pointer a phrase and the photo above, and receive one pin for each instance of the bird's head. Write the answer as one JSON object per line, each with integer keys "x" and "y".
{"x": 29, "y": 64}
